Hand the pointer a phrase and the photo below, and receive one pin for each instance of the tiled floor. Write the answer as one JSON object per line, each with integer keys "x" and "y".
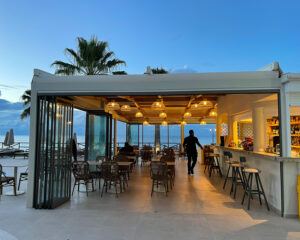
{"x": 197, "y": 208}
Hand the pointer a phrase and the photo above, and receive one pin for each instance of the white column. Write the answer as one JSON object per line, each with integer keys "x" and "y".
{"x": 259, "y": 132}
{"x": 285, "y": 133}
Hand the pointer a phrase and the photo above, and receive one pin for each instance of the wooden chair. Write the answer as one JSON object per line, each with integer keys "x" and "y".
{"x": 111, "y": 176}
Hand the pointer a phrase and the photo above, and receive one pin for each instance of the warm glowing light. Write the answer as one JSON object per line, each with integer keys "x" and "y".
{"x": 213, "y": 113}
{"x": 187, "y": 115}
{"x": 158, "y": 105}
{"x": 113, "y": 105}
{"x": 125, "y": 108}
{"x": 205, "y": 103}
{"x": 195, "y": 106}
{"x": 183, "y": 123}
{"x": 139, "y": 114}
{"x": 202, "y": 122}
{"x": 162, "y": 115}
{"x": 164, "y": 123}
{"x": 145, "y": 122}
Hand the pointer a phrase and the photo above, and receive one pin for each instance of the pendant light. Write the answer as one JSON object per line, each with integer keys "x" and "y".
{"x": 139, "y": 114}
{"x": 158, "y": 105}
{"x": 195, "y": 106}
{"x": 213, "y": 113}
{"x": 205, "y": 103}
{"x": 183, "y": 122}
{"x": 125, "y": 108}
{"x": 164, "y": 123}
{"x": 145, "y": 123}
{"x": 202, "y": 122}
{"x": 113, "y": 105}
{"x": 187, "y": 115}
{"x": 162, "y": 115}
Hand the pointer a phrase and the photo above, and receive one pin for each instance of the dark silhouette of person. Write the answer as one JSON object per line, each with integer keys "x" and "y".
{"x": 189, "y": 145}
{"x": 127, "y": 149}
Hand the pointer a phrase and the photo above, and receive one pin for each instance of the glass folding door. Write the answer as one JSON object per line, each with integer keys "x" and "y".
{"x": 53, "y": 153}
{"x": 98, "y": 135}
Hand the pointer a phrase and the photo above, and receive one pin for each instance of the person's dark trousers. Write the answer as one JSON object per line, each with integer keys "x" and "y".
{"x": 192, "y": 160}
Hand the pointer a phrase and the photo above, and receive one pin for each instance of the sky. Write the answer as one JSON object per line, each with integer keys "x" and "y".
{"x": 201, "y": 36}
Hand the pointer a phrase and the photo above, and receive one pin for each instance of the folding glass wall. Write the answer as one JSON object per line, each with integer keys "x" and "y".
{"x": 53, "y": 153}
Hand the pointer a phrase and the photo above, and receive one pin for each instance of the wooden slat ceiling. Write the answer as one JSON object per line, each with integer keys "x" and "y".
{"x": 175, "y": 107}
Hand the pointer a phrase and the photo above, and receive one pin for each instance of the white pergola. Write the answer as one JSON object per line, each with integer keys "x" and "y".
{"x": 267, "y": 80}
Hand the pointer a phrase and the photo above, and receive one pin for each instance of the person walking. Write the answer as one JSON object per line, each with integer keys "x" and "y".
{"x": 189, "y": 145}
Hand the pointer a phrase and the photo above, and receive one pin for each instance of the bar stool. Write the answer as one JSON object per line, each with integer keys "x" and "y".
{"x": 214, "y": 163}
{"x": 259, "y": 188}
{"x": 238, "y": 177}
{"x": 228, "y": 162}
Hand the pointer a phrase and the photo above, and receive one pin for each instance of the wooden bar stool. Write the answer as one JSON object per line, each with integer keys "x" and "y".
{"x": 228, "y": 162}
{"x": 214, "y": 164}
{"x": 259, "y": 187}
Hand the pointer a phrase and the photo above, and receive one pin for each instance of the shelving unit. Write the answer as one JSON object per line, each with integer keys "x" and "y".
{"x": 273, "y": 131}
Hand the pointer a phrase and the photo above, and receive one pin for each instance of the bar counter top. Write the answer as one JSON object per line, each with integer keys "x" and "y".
{"x": 265, "y": 155}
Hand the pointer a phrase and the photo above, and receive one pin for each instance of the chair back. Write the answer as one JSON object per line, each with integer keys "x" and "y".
{"x": 242, "y": 159}
{"x": 121, "y": 158}
{"x": 109, "y": 170}
{"x": 81, "y": 169}
{"x": 159, "y": 170}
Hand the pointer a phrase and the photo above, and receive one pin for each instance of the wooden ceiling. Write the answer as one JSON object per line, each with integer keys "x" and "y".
{"x": 175, "y": 107}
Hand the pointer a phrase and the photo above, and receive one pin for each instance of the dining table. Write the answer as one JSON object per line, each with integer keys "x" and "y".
{"x": 14, "y": 164}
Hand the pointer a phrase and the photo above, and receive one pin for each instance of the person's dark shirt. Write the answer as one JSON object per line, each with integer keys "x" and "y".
{"x": 127, "y": 149}
{"x": 189, "y": 144}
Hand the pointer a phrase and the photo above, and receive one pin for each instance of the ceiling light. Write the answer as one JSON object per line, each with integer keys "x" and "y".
{"x": 164, "y": 123}
{"x": 213, "y": 113}
{"x": 162, "y": 115}
{"x": 195, "y": 106}
{"x": 187, "y": 115}
{"x": 158, "y": 105}
{"x": 113, "y": 105}
{"x": 125, "y": 108}
{"x": 183, "y": 123}
{"x": 139, "y": 114}
{"x": 145, "y": 122}
{"x": 205, "y": 103}
{"x": 202, "y": 122}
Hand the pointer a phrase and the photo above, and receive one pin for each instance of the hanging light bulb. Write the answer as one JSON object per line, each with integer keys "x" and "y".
{"x": 162, "y": 115}
{"x": 187, "y": 115}
{"x": 205, "y": 103}
{"x": 213, "y": 113}
{"x": 183, "y": 122}
{"x": 164, "y": 123}
{"x": 139, "y": 114}
{"x": 158, "y": 105}
{"x": 125, "y": 108}
{"x": 145, "y": 123}
{"x": 113, "y": 105}
{"x": 195, "y": 106}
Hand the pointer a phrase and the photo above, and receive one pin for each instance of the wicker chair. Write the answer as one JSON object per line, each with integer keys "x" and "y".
{"x": 82, "y": 175}
{"x": 111, "y": 176}
{"x": 6, "y": 181}
{"x": 159, "y": 175}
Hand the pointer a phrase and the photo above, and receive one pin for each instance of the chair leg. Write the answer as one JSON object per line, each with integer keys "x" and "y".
{"x": 263, "y": 193}
{"x": 258, "y": 188}
{"x": 86, "y": 187}
{"x": 152, "y": 188}
{"x": 19, "y": 183}
{"x": 246, "y": 189}
{"x": 15, "y": 188}
{"x": 104, "y": 186}
{"x": 227, "y": 175}
{"x": 250, "y": 189}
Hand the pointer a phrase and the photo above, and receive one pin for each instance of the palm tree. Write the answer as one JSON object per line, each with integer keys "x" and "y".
{"x": 91, "y": 58}
{"x": 26, "y": 99}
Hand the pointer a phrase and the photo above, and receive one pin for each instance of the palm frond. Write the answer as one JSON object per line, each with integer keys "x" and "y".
{"x": 25, "y": 113}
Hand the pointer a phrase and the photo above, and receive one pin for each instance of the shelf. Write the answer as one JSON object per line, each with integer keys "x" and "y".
{"x": 295, "y": 135}
{"x": 295, "y": 123}
{"x": 274, "y": 125}
{"x": 296, "y": 146}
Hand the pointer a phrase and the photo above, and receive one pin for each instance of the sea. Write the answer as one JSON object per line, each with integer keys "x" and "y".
{"x": 205, "y": 134}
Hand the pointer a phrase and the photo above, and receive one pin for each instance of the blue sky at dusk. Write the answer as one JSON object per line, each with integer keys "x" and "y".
{"x": 202, "y": 36}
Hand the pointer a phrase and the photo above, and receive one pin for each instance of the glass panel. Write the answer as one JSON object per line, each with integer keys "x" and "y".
{"x": 164, "y": 136}
{"x": 53, "y": 157}
{"x": 133, "y": 134}
{"x": 148, "y": 135}
{"x": 174, "y": 135}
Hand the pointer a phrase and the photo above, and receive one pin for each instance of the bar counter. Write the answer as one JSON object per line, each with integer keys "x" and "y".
{"x": 278, "y": 175}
